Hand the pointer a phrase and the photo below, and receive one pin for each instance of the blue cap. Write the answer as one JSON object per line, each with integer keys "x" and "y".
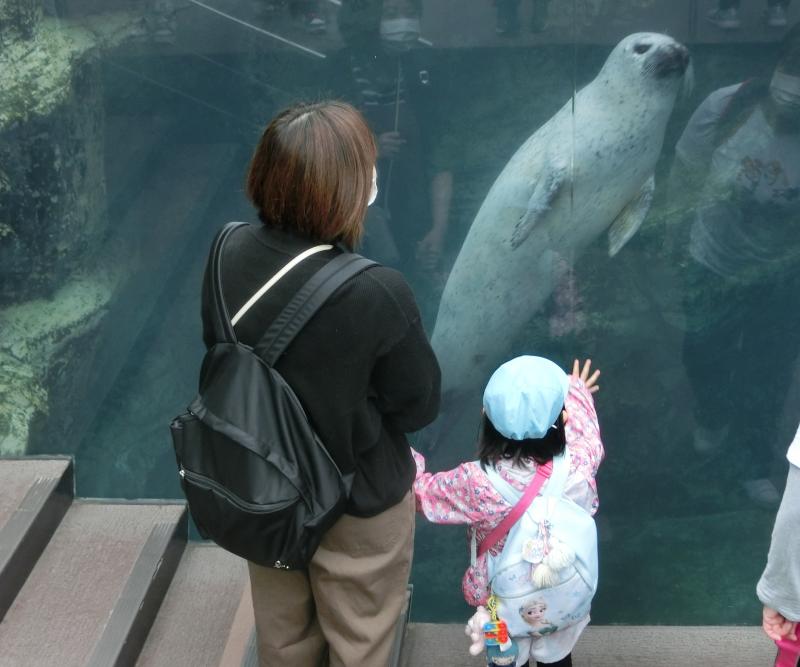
{"x": 524, "y": 396}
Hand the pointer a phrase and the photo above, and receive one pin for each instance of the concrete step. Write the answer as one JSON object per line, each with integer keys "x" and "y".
{"x": 435, "y": 644}
{"x": 97, "y": 587}
{"x": 35, "y": 494}
{"x": 206, "y": 613}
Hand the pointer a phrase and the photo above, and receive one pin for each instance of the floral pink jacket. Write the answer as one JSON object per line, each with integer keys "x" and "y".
{"x": 465, "y": 494}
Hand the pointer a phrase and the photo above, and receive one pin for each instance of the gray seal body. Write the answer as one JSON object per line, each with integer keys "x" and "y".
{"x": 587, "y": 170}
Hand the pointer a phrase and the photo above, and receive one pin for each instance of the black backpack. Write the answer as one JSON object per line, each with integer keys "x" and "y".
{"x": 257, "y": 478}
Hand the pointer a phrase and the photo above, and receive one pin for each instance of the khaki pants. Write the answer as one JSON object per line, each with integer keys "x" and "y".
{"x": 341, "y": 612}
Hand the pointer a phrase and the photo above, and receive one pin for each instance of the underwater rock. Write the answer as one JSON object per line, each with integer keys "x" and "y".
{"x": 36, "y": 339}
{"x": 18, "y": 18}
{"x": 52, "y": 173}
{"x": 52, "y": 177}
{"x": 52, "y": 207}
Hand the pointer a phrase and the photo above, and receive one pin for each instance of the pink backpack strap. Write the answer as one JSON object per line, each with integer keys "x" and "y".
{"x": 543, "y": 472}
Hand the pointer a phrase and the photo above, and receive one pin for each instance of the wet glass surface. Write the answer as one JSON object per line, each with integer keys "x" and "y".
{"x": 125, "y": 130}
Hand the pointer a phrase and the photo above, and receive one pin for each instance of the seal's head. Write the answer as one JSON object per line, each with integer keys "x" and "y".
{"x": 649, "y": 58}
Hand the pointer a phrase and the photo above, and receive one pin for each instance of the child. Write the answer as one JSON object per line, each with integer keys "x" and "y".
{"x": 532, "y": 412}
{"x": 779, "y": 586}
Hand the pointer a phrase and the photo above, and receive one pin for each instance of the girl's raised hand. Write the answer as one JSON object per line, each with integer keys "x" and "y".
{"x": 583, "y": 374}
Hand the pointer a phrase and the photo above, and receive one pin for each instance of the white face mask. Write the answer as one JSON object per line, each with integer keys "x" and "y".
{"x": 401, "y": 32}
{"x": 373, "y": 195}
{"x": 785, "y": 92}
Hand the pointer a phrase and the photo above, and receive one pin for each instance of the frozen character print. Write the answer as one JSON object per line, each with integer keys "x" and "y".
{"x": 533, "y": 613}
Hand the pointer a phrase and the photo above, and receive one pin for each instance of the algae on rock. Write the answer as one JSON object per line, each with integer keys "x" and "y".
{"x": 33, "y": 336}
{"x": 18, "y": 18}
{"x": 52, "y": 175}
{"x": 53, "y": 215}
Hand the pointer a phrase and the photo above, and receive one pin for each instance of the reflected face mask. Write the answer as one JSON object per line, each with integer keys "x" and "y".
{"x": 373, "y": 195}
{"x": 400, "y": 33}
{"x": 785, "y": 92}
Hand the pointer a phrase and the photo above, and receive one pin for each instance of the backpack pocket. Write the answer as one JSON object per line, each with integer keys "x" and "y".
{"x": 540, "y": 612}
{"x": 237, "y": 524}
{"x": 238, "y": 499}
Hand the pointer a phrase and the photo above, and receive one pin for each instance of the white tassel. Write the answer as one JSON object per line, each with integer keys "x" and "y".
{"x": 560, "y": 556}
{"x": 544, "y": 576}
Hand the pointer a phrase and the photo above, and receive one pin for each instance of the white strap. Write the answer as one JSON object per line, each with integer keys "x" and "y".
{"x": 280, "y": 274}
{"x": 558, "y": 480}
{"x": 553, "y": 487}
{"x": 473, "y": 547}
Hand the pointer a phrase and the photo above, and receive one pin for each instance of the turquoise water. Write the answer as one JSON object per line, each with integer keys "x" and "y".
{"x": 681, "y": 541}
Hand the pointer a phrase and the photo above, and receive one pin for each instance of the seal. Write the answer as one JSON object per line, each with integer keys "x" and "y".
{"x": 587, "y": 170}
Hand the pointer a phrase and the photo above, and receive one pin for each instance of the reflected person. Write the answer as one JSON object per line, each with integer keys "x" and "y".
{"x": 779, "y": 586}
{"x": 363, "y": 371}
{"x": 508, "y": 16}
{"x": 308, "y": 12}
{"x": 726, "y": 14}
{"x": 737, "y": 169}
{"x": 392, "y": 79}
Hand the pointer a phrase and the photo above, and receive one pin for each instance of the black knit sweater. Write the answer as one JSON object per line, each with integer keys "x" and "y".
{"x": 362, "y": 367}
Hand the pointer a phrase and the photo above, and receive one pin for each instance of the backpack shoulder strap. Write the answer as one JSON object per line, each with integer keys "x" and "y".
{"x": 554, "y": 487}
{"x": 509, "y": 493}
{"x": 277, "y": 277}
{"x": 558, "y": 480}
{"x": 223, "y": 329}
{"x": 543, "y": 472}
{"x": 307, "y": 302}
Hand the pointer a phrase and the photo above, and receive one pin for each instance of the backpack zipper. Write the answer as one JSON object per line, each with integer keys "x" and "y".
{"x": 209, "y": 484}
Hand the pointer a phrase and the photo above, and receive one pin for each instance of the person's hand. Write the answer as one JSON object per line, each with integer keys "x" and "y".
{"x": 474, "y": 630}
{"x": 429, "y": 250}
{"x": 583, "y": 374}
{"x": 776, "y": 627}
{"x": 390, "y": 144}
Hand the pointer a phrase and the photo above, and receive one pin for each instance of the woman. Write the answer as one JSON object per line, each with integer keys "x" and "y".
{"x": 364, "y": 371}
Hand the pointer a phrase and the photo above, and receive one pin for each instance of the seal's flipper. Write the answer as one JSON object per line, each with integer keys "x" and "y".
{"x": 544, "y": 194}
{"x": 630, "y": 218}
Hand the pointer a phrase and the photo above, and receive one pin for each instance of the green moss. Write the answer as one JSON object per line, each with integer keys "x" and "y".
{"x": 18, "y": 17}
{"x": 32, "y": 335}
{"x": 36, "y": 74}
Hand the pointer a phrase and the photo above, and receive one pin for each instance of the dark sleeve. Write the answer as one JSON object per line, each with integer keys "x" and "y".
{"x": 431, "y": 80}
{"x": 205, "y": 310}
{"x": 406, "y": 377}
{"x": 339, "y": 82}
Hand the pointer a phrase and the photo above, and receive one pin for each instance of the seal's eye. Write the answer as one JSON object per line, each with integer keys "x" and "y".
{"x": 642, "y": 48}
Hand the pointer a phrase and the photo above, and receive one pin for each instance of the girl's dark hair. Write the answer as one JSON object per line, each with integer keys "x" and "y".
{"x": 493, "y": 445}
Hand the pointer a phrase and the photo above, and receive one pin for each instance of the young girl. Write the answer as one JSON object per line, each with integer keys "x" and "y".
{"x": 532, "y": 412}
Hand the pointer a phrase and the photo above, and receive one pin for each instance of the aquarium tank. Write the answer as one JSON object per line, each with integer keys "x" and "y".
{"x": 608, "y": 179}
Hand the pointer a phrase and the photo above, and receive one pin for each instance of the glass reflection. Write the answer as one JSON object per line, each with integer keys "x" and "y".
{"x": 124, "y": 131}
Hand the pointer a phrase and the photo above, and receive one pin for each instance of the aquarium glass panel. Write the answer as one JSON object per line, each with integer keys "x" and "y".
{"x": 617, "y": 181}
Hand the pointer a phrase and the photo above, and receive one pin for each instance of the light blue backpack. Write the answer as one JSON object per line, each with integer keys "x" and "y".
{"x": 546, "y": 575}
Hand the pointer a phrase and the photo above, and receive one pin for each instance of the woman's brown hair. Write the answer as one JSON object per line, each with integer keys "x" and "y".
{"x": 312, "y": 172}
